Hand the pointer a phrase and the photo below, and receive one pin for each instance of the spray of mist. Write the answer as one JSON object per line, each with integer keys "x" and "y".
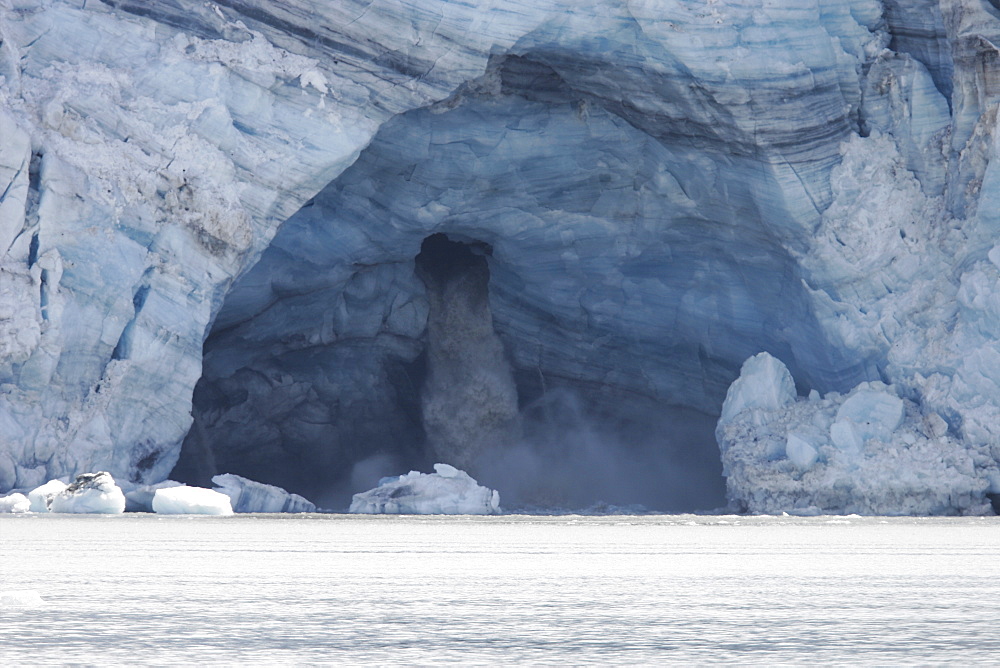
{"x": 571, "y": 458}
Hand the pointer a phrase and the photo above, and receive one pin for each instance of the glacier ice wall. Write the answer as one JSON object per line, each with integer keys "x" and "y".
{"x": 235, "y": 192}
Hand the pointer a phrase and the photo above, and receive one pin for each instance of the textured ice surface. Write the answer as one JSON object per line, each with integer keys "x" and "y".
{"x": 867, "y": 452}
{"x": 447, "y": 491}
{"x": 90, "y": 493}
{"x": 184, "y": 500}
{"x": 41, "y": 497}
{"x": 764, "y": 383}
{"x": 14, "y": 503}
{"x": 248, "y": 496}
{"x": 661, "y": 189}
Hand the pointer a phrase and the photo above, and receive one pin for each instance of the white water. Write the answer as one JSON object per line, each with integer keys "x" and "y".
{"x": 511, "y": 589}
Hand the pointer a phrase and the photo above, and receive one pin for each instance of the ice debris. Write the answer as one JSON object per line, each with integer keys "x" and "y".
{"x": 249, "y": 496}
{"x": 184, "y": 500}
{"x": 447, "y": 491}
{"x": 868, "y": 451}
{"x": 90, "y": 493}
{"x": 14, "y": 503}
{"x": 41, "y": 497}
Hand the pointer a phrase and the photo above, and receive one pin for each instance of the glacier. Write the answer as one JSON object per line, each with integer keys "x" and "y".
{"x": 311, "y": 243}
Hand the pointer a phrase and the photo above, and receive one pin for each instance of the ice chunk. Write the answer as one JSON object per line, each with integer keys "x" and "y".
{"x": 249, "y": 496}
{"x": 14, "y": 503}
{"x": 24, "y": 598}
{"x": 844, "y": 434}
{"x": 184, "y": 500}
{"x": 936, "y": 425}
{"x": 41, "y": 497}
{"x": 800, "y": 451}
{"x": 764, "y": 383}
{"x": 875, "y": 413}
{"x": 140, "y": 499}
{"x": 90, "y": 493}
{"x": 447, "y": 491}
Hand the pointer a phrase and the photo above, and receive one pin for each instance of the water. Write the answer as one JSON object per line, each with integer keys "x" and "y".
{"x": 416, "y": 590}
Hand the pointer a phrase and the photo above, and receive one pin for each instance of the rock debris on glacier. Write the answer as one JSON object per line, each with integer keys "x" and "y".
{"x": 90, "y": 493}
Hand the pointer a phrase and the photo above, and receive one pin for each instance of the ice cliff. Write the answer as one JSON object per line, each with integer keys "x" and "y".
{"x": 211, "y": 214}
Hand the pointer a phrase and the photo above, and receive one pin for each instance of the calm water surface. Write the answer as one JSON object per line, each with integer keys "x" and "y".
{"x": 418, "y": 590}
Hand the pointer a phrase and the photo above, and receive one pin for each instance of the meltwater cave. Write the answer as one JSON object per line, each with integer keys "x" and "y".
{"x": 571, "y": 263}
{"x": 314, "y": 243}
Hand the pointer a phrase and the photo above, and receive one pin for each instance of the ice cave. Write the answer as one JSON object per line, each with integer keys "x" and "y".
{"x": 677, "y": 255}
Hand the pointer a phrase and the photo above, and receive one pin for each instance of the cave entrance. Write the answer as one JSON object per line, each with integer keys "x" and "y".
{"x": 621, "y": 277}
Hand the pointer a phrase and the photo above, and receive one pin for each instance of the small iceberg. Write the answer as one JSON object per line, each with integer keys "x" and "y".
{"x": 447, "y": 491}
{"x": 184, "y": 500}
{"x": 26, "y": 598}
{"x": 90, "y": 493}
{"x": 249, "y": 496}
{"x": 14, "y": 503}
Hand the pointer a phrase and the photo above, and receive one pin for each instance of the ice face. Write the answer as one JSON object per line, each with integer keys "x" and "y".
{"x": 447, "y": 491}
{"x": 234, "y": 196}
{"x": 184, "y": 500}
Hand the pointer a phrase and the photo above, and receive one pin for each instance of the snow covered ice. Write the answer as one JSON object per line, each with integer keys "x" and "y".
{"x": 90, "y": 493}
{"x": 184, "y": 500}
{"x": 447, "y": 491}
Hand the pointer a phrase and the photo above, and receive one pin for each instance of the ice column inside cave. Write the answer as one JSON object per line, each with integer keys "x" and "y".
{"x": 468, "y": 400}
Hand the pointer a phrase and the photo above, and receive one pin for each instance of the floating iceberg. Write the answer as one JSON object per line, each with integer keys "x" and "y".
{"x": 867, "y": 452}
{"x": 448, "y": 491}
{"x": 249, "y": 496}
{"x": 90, "y": 493}
{"x": 14, "y": 503}
{"x": 140, "y": 499}
{"x": 184, "y": 500}
{"x": 25, "y": 598}
{"x": 41, "y": 497}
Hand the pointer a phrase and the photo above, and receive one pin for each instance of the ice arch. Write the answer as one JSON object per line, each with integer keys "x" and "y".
{"x": 632, "y": 270}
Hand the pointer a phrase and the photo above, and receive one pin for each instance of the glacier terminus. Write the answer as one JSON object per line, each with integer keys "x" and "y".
{"x": 678, "y": 253}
